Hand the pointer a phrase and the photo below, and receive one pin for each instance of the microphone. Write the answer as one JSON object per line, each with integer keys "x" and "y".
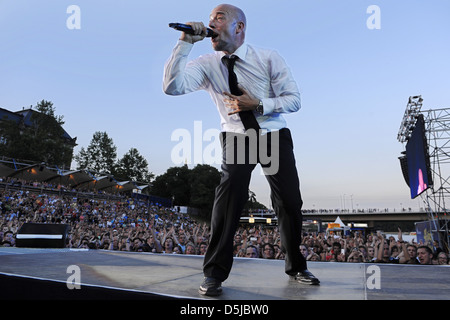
{"x": 188, "y": 29}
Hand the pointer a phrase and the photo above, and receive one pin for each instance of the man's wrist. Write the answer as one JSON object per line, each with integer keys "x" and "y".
{"x": 186, "y": 38}
{"x": 260, "y": 107}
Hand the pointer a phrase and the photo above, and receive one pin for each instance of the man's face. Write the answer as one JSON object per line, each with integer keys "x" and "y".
{"x": 386, "y": 250}
{"x": 423, "y": 256}
{"x": 251, "y": 253}
{"x": 223, "y": 21}
{"x": 412, "y": 251}
{"x": 304, "y": 250}
{"x": 190, "y": 250}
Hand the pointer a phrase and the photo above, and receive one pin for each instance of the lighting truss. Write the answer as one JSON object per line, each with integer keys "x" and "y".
{"x": 409, "y": 118}
{"x": 437, "y": 131}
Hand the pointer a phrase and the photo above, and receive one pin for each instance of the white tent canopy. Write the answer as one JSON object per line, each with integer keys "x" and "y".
{"x": 339, "y": 221}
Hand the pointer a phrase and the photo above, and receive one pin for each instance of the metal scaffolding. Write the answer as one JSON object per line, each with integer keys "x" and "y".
{"x": 437, "y": 131}
{"x": 409, "y": 118}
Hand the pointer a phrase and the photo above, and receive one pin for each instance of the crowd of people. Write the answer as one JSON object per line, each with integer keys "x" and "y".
{"x": 128, "y": 224}
{"x": 372, "y": 248}
{"x": 257, "y": 242}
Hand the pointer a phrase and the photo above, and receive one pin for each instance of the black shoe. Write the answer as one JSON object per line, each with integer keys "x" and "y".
{"x": 210, "y": 287}
{"x": 305, "y": 277}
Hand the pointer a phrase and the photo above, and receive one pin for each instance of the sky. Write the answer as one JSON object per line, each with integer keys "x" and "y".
{"x": 356, "y": 63}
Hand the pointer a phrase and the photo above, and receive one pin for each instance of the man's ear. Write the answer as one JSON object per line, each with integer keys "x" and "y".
{"x": 240, "y": 26}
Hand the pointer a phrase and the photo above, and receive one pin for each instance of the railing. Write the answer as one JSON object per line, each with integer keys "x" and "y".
{"x": 42, "y": 188}
{"x": 361, "y": 211}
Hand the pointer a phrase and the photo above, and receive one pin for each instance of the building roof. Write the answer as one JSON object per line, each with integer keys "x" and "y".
{"x": 73, "y": 179}
{"x": 25, "y": 116}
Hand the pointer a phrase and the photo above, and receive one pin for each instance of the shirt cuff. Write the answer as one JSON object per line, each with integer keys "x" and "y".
{"x": 268, "y": 106}
{"x": 184, "y": 47}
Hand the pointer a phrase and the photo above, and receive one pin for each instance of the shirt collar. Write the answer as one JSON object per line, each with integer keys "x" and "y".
{"x": 240, "y": 52}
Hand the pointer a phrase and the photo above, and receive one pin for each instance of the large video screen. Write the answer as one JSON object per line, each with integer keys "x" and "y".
{"x": 419, "y": 171}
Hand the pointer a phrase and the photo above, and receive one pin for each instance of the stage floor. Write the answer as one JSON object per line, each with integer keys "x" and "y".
{"x": 161, "y": 276}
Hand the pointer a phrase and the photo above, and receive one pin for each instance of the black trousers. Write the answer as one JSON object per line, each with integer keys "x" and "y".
{"x": 232, "y": 194}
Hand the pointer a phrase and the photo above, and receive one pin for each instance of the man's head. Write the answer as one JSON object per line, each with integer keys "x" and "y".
{"x": 412, "y": 250}
{"x": 425, "y": 255}
{"x": 337, "y": 247}
{"x": 251, "y": 252}
{"x": 229, "y": 23}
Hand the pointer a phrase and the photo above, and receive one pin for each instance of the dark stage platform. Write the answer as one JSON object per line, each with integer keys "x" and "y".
{"x": 27, "y": 273}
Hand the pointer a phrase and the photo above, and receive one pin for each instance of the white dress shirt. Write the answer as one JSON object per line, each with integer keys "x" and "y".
{"x": 263, "y": 73}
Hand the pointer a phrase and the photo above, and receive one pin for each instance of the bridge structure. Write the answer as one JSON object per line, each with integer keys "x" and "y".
{"x": 360, "y": 216}
{"x": 386, "y": 220}
{"x": 373, "y": 220}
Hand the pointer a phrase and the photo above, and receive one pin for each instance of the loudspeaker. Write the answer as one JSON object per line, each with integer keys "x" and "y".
{"x": 404, "y": 166}
{"x": 42, "y": 235}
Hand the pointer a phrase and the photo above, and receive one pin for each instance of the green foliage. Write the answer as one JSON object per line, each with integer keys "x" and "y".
{"x": 203, "y": 182}
{"x": 41, "y": 141}
{"x": 100, "y": 156}
{"x": 252, "y": 204}
{"x": 194, "y": 188}
{"x": 174, "y": 184}
{"x": 133, "y": 166}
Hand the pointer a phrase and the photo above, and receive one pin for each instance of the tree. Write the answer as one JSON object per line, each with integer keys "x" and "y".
{"x": 133, "y": 166}
{"x": 100, "y": 156}
{"x": 194, "y": 188}
{"x": 252, "y": 203}
{"x": 174, "y": 184}
{"x": 39, "y": 138}
{"x": 14, "y": 143}
{"x": 48, "y": 134}
{"x": 203, "y": 182}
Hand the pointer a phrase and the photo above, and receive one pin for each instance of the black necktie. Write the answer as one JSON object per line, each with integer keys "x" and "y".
{"x": 247, "y": 117}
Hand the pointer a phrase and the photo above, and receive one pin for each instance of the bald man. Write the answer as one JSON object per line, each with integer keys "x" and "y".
{"x": 253, "y": 131}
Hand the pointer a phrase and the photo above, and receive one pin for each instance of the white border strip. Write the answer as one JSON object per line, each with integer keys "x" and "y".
{"x": 39, "y": 236}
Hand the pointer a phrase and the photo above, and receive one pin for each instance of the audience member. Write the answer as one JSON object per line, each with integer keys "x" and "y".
{"x": 424, "y": 255}
{"x": 442, "y": 258}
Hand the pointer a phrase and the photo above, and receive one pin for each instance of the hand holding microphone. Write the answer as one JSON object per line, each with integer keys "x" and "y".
{"x": 192, "y": 31}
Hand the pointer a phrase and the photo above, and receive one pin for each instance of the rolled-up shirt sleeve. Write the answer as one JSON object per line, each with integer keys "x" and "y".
{"x": 181, "y": 76}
